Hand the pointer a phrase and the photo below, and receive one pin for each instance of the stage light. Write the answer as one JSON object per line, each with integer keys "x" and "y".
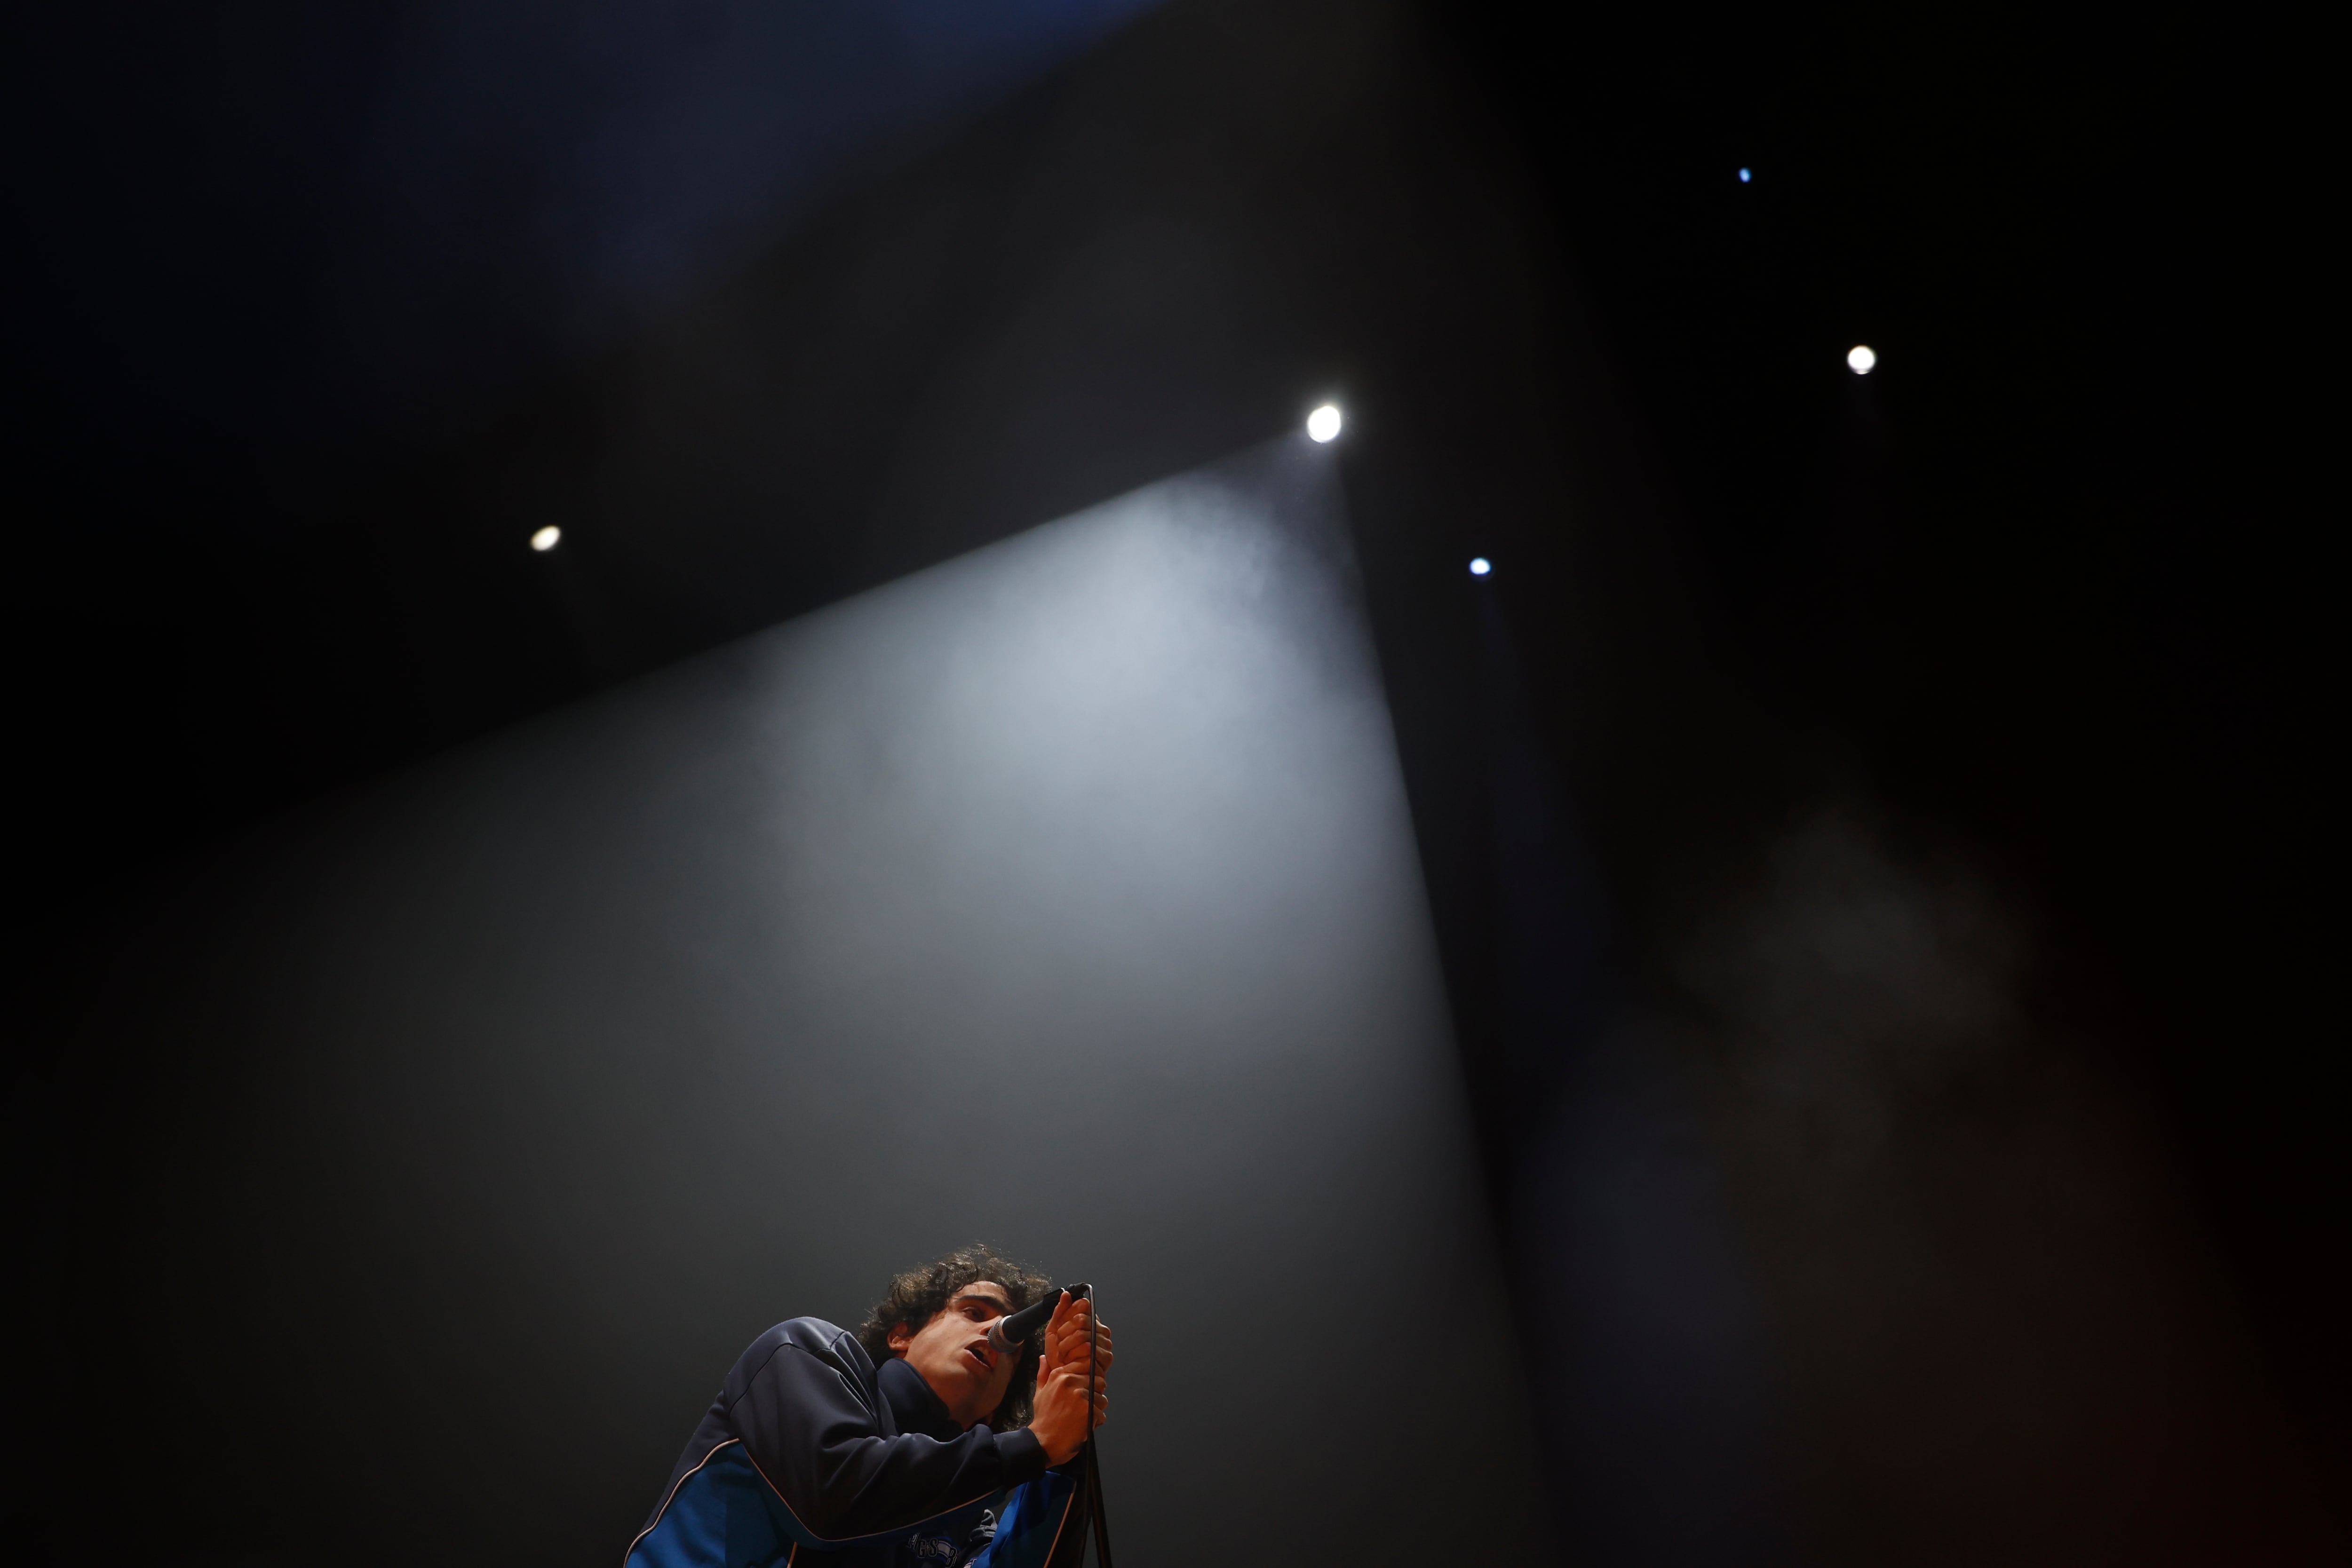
{"x": 1859, "y": 359}
{"x": 546, "y": 537}
{"x": 1743, "y": 176}
{"x": 1324, "y": 423}
{"x": 1480, "y": 566}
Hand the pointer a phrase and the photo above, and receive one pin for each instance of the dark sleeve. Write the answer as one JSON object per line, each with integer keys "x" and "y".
{"x": 808, "y": 1429}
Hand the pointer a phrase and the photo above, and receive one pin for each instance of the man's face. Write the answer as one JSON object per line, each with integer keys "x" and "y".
{"x": 954, "y": 1356}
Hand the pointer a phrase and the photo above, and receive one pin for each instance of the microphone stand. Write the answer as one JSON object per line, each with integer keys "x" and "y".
{"x": 1088, "y": 1505}
{"x": 1093, "y": 1483}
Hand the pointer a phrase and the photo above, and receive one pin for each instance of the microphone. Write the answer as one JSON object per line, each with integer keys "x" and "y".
{"x": 1011, "y": 1335}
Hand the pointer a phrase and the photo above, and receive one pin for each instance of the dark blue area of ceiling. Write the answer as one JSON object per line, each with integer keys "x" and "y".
{"x": 268, "y": 222}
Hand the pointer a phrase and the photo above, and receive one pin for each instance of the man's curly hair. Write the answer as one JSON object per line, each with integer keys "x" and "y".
{"x": 921, "y": 1294}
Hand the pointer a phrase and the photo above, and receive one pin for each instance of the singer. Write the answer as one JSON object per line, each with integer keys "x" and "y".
{"x": 886, "y": 1449}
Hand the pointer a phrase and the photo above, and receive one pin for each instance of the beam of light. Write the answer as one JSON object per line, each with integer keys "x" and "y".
{"x": 546, "y": 538}
{"x": 1323, "y": 424}
{"x": 1480, "y": 566}
{"x": 1860, "y": 358}
{"x": 1102, "y": 828}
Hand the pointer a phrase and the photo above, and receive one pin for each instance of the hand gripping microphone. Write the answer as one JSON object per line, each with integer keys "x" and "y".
{"x": 1011, "y": 1335}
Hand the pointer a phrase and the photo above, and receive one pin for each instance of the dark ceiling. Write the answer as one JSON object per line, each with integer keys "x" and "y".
{"x": 281, "y": 279}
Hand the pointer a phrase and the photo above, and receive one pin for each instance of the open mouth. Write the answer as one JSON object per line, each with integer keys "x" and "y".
{"x": 978, "y": 1351}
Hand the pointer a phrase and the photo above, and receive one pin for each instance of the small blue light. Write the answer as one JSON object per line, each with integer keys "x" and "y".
{"x": 1480, "y": 566}
{"x": 1743, "y": 176}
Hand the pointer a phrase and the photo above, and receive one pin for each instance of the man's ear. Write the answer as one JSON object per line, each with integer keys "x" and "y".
{"x": 899, "y": 1339}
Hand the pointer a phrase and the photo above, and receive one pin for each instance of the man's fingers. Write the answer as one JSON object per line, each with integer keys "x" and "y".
{"x": 1069, "y": 1333}
{"x": 1070, "y": 1346}
{"x": 1080, "y": 1326}
{"x": 1050, "y": 1348}
{"x": 1064, "y": 1385}
{"x": 1057, "y": 1326}
{"x": 1073, "y": 1338}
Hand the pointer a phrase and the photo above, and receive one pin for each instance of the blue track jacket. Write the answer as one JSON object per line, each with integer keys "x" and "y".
{"x": 811, "y": 1456}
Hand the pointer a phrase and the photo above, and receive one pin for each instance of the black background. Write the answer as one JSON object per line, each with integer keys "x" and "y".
{"x": 2038, "y": 583}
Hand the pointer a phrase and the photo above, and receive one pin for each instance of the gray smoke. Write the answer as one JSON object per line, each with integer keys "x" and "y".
{"x": 2004, "y": 1329}
{"x": 1854, "y": 989}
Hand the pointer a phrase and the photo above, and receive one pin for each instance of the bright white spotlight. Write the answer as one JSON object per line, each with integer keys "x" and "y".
{"x": 1859, "y": 359}
{"x": 545, "y": 539}
{"x": 1480, "y": 566}
{"x": 1324, "y": 423}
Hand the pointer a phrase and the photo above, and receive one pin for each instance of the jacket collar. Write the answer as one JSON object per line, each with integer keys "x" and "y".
{"x": 912, "y": 1402}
